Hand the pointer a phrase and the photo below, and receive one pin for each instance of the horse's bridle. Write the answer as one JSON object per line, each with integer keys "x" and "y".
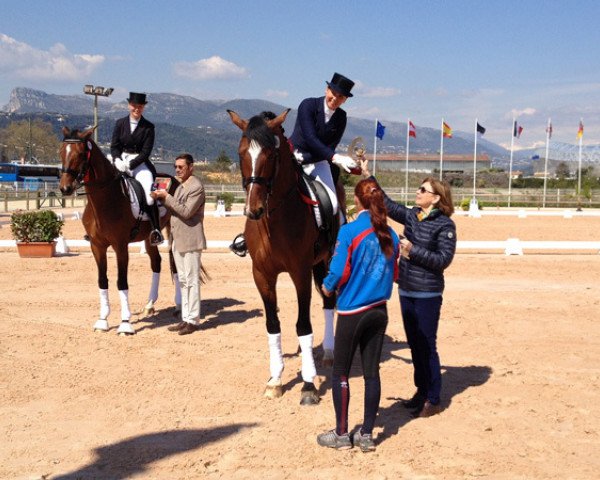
{"x": 266, "y": 182}
{"x": 79, "y": 175}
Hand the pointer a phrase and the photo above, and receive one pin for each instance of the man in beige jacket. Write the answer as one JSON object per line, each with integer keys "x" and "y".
{"x": 187, "y": 239}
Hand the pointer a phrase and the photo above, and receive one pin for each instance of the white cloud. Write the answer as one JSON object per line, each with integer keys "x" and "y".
{"x": 375, "y": 92}
{"x": 524, "y": 112}
{"x": 19, "y": 60}
{"x": 277, "y": 94}
{"x": 211, "y": 68}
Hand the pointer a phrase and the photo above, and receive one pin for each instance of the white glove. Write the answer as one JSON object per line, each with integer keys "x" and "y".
{"x": 122, "y": 165}
{"x": 347, "y": 163}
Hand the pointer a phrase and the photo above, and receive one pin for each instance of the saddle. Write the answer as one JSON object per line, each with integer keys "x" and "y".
{"x": 133, "y": 189}
{"x": 315, "y": 195}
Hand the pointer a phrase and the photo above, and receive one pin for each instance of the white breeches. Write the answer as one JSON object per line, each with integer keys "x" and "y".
{"x": 143, "y": 175}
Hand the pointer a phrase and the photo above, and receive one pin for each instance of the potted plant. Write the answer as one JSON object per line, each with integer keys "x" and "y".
{"x": 35, "y": 232}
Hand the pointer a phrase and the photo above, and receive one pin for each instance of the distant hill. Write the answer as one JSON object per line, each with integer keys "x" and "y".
{"x": 203, "y": 127}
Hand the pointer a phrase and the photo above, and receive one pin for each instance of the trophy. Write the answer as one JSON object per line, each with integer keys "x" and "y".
{"x": 356, "y": 151}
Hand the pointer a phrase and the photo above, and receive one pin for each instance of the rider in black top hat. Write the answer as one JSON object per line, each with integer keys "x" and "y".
{"x": 131, "y": 146}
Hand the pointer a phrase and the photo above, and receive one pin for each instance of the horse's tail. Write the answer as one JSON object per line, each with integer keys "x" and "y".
{"x": 204, "y": 276}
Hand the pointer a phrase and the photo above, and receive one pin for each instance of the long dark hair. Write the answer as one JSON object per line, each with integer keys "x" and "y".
{"x": 371, "y": 198}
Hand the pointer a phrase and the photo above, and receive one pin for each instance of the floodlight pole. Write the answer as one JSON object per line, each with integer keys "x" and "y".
{"x": 97, "y": 91}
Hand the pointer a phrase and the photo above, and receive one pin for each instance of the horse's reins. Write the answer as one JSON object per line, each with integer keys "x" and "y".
{"x": 86, "y": 167}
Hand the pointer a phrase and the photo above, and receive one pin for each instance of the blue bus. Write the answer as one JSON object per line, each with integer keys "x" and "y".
{"x": 32, "y": 176}
{"x": 18, "y": 172}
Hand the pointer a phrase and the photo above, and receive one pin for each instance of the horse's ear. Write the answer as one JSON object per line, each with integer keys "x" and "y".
{"x": 88, "y": 133}
{"x": 237, "y": 120}
{"x": 278, "y": 120}
{"x": 66, "y": 132}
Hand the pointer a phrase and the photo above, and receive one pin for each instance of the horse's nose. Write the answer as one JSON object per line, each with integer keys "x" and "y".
{"x": 68, "y": 190}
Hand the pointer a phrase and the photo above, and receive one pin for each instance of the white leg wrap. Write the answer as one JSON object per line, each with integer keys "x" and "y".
{"x": 104, "y": 304}
{"x": 125, "y": 312}
{"x": 177, "y": 291}
{"x": 275, "y": 355}
{"x": 309, "y": 371}
{"x": 153, "y": 296}
{"x": 328, "y": 338}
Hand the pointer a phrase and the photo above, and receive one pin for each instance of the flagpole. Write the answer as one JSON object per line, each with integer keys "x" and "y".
{"x": 475, "y": 161}
{"x": 375, "y": 149}
{"x": 579, "y": 168}
{"x": 441, "y": 148}
{"x": 546, "y": 162}
{"x": 406, "y": 168}
{"x": 510, "y": 164}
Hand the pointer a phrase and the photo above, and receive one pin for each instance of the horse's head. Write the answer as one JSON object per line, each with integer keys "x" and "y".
{"x": 259, "y": 152}
{"x": 75, "y": 153}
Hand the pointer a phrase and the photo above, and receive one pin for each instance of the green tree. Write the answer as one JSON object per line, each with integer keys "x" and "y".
{"x": 562, "y": 171}
{"x": 30, "y": 141}
{"x": 223, "y": 162}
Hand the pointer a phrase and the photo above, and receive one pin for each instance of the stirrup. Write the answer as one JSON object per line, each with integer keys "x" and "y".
{"x": 156, "y": 238}
{"x": 239, "y": 245}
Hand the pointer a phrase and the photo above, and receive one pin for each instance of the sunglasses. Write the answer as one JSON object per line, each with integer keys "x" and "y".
{"x": 179, "y": 167}
{"x": 423, "y": 190}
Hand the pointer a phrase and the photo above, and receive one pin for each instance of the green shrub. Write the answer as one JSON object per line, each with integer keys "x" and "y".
{"x": 228, "y": 198}
{"x": 35, "y": 226}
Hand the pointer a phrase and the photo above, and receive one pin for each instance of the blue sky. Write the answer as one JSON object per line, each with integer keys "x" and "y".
{"x": 458, "y": 60}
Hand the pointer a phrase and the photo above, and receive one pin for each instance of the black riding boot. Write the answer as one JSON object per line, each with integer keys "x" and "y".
{"x": 156, "y": 237}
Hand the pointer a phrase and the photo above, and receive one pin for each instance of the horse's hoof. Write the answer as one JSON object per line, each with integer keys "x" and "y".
{"x": 327, "y": 360}
{"x": 125, "y": 329}
{"x": 149, "y": 311}
{"x": 309, "y": 397}
{"x": 101, "y": 326}
{"x": 274, "y": 389}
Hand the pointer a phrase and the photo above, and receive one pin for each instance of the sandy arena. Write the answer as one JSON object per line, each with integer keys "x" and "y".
{"x": 519, "y": 342}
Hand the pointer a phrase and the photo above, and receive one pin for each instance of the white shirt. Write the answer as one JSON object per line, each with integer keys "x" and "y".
{"x": 133, "y": 124}
{"x": 328, "y": 112}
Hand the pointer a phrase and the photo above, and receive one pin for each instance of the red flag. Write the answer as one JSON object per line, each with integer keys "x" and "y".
{"x": 412, "y": 131}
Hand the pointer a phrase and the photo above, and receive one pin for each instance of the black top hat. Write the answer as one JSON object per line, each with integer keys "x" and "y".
{"x": 137, "y": 98}
{"x": 341, "y": 84}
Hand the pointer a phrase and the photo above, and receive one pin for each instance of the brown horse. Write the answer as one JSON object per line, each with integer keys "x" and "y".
{"x": 281, "y": 236}
{"x": 108, "y": 220}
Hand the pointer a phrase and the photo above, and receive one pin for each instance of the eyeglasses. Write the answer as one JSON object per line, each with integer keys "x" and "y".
{"x": 422, "y": 189}
{"x": 179, "y": 167}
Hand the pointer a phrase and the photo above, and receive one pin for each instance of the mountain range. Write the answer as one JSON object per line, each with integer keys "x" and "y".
{"x": 203, "y": 127}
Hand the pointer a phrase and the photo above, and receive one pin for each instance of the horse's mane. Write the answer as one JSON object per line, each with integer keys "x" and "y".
{"x": 258, "y": 131}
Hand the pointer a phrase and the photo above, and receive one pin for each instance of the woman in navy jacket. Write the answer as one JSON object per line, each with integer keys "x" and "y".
{"x": 428, "y": 248}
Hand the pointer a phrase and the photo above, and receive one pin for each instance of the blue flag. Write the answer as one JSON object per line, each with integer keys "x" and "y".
{"x": 380, "y": 131}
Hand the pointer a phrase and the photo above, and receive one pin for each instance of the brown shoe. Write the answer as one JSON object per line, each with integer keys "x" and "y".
{"x": 188, "y": 328}
{"x": 429, "y": 409}
{"x": 177, "y": 327}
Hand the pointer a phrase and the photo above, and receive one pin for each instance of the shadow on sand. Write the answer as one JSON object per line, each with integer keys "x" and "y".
{"x": 455, "y": 380}
{"x": 132, "y": 456}
{"x": 214, "y": 308}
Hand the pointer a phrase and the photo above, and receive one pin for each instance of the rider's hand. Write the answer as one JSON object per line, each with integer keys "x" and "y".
{"x": 347, "y": 163}
{"x": 122, "y": 165}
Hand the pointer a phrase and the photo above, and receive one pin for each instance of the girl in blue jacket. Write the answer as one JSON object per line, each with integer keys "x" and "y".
{"x": 363, "y": 270}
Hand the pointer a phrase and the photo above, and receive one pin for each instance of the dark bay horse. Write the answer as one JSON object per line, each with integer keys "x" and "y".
{"x": 107, "y": 219}
{"x": 281, "y": 236}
